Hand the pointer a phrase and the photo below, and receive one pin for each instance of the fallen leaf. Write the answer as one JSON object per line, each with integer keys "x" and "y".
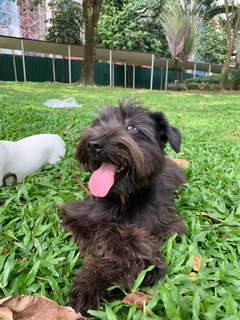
{"x": 138, "y": 298}
{"x": 37, "y": 308}
{"x": 4, "y": 299}
{"x": 197, "y": 263}
{"x": 6, "y": 314}
{"x": 180, "y": 162}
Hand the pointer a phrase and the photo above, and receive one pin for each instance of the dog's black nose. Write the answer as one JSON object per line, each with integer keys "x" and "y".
{"x": 95, "y": 144}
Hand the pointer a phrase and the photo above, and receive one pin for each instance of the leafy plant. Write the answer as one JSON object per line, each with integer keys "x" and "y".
{"x": 212, "y": 43}
{"x": 135, "y": 26}
{"x": 180, "y": 21}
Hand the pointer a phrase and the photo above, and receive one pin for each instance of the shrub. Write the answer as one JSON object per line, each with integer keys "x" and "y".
{"x": 212, "y": 82}
{"x": 210, "y": 79}
{"x": 177, "y": 86}
{"x": 233, "y": 79}
{"x": 192, "y": 86}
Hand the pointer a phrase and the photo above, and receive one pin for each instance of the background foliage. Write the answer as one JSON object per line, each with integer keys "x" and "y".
{"x": 66, "y": 24}
{"x": 134, "y": 26}
{"x": 212, "y": 43}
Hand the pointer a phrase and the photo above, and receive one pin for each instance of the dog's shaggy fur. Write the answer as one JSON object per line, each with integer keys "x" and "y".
{"x": 119, "y": 232}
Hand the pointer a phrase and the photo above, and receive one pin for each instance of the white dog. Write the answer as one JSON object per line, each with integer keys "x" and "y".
{"x": 23, "y": 157}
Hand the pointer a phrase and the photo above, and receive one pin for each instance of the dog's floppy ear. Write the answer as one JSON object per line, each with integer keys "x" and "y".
{"x": 165, "y": 132}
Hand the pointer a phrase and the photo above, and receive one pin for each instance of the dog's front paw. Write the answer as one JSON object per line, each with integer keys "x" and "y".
{"x": 80, "y": 306}
{"x": 155, "y": 275}
{"x": 82, "y": 303}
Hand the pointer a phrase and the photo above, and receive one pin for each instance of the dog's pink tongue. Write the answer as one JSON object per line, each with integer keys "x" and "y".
{"x": 102, "y": 180}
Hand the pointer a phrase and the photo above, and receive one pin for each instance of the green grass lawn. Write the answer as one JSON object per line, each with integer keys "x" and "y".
{"x": 39, "y": 257}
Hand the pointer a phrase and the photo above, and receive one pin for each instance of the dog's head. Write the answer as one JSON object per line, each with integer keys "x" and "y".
{"x": 124, "y": 148}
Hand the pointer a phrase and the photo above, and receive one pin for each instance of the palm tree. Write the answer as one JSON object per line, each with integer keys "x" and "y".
{"x": 174, "y": 23}
{"x": 193, "y": 11}
{"x": 180, "y": 20}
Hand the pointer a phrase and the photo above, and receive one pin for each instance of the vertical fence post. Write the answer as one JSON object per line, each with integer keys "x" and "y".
{"x": 194, "y": 70}
{"x": 113, "y": 77}
{"x": 133, "y": 76}
{"x": 125, "y": 75}
{"x": 69, "y": 64}
{"x": 23, "y": 61}
{"x": 209, "y": 69}
{"x": 166, "y": 75}
{"x": 53, "y": 69}
{"x": 152, "y": 69}
{"x": 110, "y": 68}
{"x": 14, "y": 66}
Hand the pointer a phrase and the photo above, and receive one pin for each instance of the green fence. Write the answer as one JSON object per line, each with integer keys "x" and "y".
{"x": 40, "y": 69}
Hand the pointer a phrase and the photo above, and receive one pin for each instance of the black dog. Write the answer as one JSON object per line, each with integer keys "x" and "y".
{"x": 132, "y": 210}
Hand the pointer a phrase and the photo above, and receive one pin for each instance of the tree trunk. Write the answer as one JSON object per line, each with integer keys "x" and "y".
{"x": 231, "y": 40}
{"x": 91, "y": 12}
{"x": 226, "y": 66}
{"x": 175, "y": 69}
{"x": 183, "y": 71}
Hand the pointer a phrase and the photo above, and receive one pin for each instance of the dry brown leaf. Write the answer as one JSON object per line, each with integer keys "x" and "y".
{"x": 180, "y": 162}
{"x": 197, "y": 263}
{"x": 4, "y": 299}
{"x": 38, "y": 308}
{"x": 138, "y": 298}
{"x": 6, "y": 313}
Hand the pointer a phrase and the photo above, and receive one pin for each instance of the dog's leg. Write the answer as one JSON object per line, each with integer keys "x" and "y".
{"x": 157, "y": 273}
{"x": 77, "y": 219}
{"x": 91, "y": 284}
{"x": 86, "y": 292}
{"x": 150, "y": 255}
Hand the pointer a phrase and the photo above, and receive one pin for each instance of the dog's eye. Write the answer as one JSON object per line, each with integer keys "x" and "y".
{"x": 131, "y": 127}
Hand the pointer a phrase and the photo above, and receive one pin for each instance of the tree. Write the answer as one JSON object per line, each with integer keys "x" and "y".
{"x": 212, "y": 42}
{"x": 237, "y": 46}
{"x": 91, "y": 12}
{"x": 180, "y": 21}
{"x": 66, "y": 24}
{"x": 134, "y": 26}
{"x": 193, "y": 12}
{"x": 232, "y": 32}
